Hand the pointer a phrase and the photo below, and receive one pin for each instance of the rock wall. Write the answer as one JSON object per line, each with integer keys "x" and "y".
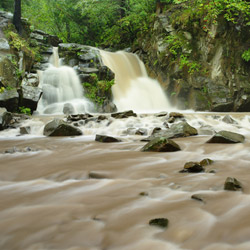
{"x": 199, "y": 69}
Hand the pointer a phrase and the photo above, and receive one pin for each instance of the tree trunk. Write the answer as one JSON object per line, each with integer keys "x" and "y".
{"x": 17, "y": 16}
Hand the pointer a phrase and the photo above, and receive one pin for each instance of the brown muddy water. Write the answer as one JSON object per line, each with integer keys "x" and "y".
{"x": 78, "y": 194}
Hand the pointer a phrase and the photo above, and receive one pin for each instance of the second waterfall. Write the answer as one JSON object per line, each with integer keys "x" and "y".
{"x": 133, "y": 89}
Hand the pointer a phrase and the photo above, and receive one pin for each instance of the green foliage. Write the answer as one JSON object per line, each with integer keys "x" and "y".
{"x": 97, "y": 90}
{"x": 192, "y": 66}
{"x": 2, "y": 89}
{"x": 24, "y": 110}
{"x": 246, "y": 55}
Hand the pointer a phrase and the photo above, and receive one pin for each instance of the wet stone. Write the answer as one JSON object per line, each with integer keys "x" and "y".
{"x": 228, "y": 119}
{"x": 171, "y": 120}
{"x": 141, "y": 131}
{"x": 96, "y": 175}
{"x": 232, "y": 184}
{"x": 227, "y": 137}
{"x": 106, "y": 139}
{"x": 25, "y": 130}
{"x": 161, "y": 144}
{"x": 192, "y": 167}
{"x": 159, "y": 222}
{"x": 161, "y": 114}
{"x": 176, "y": 115}
{"x": 206, "y": 162}
{"x": 198, "y": 197}
{"x": 125, "y": 114}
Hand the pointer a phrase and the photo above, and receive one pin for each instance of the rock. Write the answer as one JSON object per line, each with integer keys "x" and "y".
{"x": 141, "y": 131}
{"x": 25, "y": 130}
{"x": 181, "y": 129}
{"x": 68, "y": 109}
{"x": 96, "y": 175}
{"x": 206, "y": 162}
{"x": 30, "y": 97}
{"x": 159, "y": 222}
{"x": 143, "y": 193}
{"x": 171, "y": 120}
{"x": 4, "y": 45}
{"x": 161, "y": 114}
{"x": 228, "y": 119}
{"x": 58, "y": 127}
{"x": 176, "y": 115}
{"x": 232, "y": 184}
{"x": 192, "y": 167}
{"x": 226, "y": 137}
{"x": 108, "y": 107}
{"x": 9, "y": 99}
{"x": 78, "y": 117}
{"x": 5, "y": 118}
{"x": 198, "y": 197}
{"x": 105, "y": 138}
{"x": 161, "y": 144}
{"x": 125, "y": 114}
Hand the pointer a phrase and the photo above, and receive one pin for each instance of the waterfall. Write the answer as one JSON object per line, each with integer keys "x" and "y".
{"x": 133, "y": 89}
{"x": 62, "y": 90}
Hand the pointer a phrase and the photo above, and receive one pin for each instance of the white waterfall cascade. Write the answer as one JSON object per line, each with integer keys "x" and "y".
{"x": 133, "y": 89}
{"x": 62, "y": 90}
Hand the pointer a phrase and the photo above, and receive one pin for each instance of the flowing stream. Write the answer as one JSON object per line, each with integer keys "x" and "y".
{"x": 78, "y": 194}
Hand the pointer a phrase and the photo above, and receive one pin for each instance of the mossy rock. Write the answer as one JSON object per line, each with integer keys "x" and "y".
{"x": 227, "y": 137}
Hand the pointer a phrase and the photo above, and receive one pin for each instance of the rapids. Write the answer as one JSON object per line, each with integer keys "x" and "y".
{"x": 78, "y": 194}
{"x": 49, "y": 201}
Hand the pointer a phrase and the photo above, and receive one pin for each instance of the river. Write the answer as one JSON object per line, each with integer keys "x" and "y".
{"x": 75, "y": 193}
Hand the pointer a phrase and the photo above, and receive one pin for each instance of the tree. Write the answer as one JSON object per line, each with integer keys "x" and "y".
{"x": 17, "y": 16}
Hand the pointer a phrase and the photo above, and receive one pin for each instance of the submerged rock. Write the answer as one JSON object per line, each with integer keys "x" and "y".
{"x": 232, "y": 184}
{"x": 198, "y": 197}
{"x": 226, "y": 137}
{"x": 192, "y": 167}
{"x": 96, "y": 175}
{"x": 159, "y": 222}
{"x": 58, "y": 127}
{"x": 105, "y": 138}
{"x": 125, "y": 114}
{"x": 161, "y": 144}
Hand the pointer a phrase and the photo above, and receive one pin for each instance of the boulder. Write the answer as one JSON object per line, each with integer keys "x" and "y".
{"x": 206, "y": 162}
{"x": 125, "y": 114}
{"x": 232, "y": 184}
{"x": 181, "y": 129}
{"x": 25, "y": 130}
{"x": 198, "y": 197}
{"x": 159, "y": 222}
{"x": 192, "y": 167}
{"x": 5, "y": 118}
{"x": 58, "y": 127}
{"x": 228, "y": 119}
{"x": 161, "y": 144}
{"x": 105, "y": 138}
{"x": 30, "y": 97}
{"x": 9, "y": 99}
{"x": 226, "y": 137}
{"x": 97, "y": 175}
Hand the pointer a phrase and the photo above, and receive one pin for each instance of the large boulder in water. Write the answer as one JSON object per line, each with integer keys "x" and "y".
{"x": 58, "y": 127}
{"x": 226, "y": 137}
{"x": 161, "y": 144}
{"x": 181, "y": 129}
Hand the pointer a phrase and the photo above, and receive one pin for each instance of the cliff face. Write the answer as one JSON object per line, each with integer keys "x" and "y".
{"x": 199, "y": 64}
